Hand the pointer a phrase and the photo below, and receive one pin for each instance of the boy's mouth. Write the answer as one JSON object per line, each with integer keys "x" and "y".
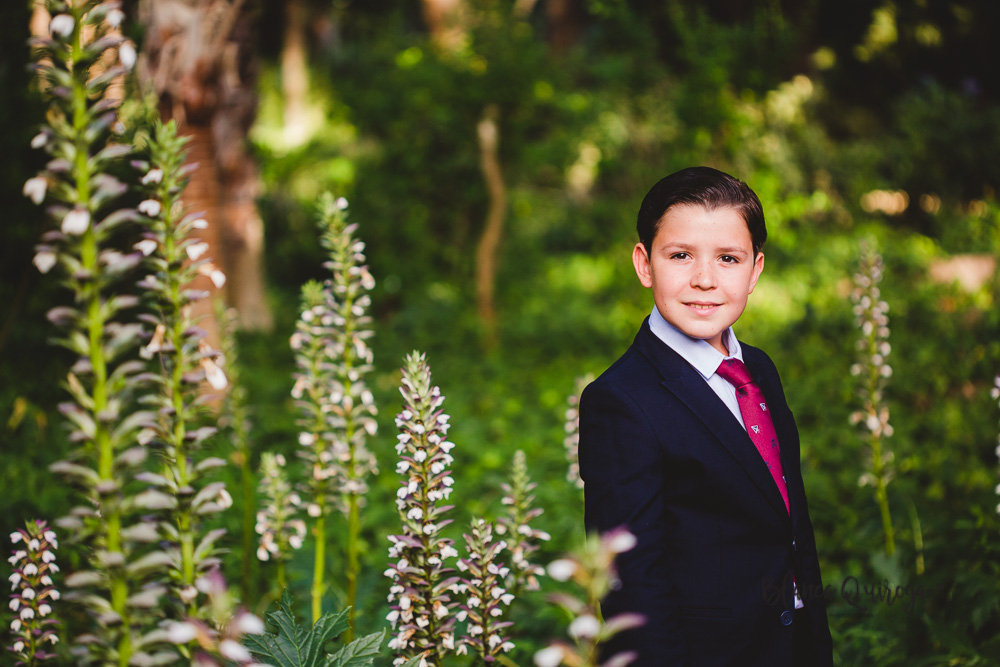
{"x": 699, "y": 305}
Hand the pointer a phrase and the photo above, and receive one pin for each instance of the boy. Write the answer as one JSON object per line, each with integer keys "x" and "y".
{"x": 687, "y": 441}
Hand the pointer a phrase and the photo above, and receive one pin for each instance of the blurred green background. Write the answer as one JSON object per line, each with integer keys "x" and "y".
{"x": 860, "y": 120}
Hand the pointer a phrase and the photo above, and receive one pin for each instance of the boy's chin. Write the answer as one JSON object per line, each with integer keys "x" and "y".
{"x": 706, "y": 331}
{"x": 712, "y": 335}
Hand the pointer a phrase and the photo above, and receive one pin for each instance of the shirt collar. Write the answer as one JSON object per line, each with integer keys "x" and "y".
{"x": 699, "y": 353}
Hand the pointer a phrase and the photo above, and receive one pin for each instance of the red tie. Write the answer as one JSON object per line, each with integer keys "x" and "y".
{"x": 760, "y": 428}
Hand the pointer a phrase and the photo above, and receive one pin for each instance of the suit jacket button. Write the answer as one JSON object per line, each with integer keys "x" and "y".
{"x": 787, "y": 617}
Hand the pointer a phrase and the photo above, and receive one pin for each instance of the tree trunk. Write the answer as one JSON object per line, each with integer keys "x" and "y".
{"x": 244, "y": 243}
{"x": 203, "y": 195}
{"x": 243, "y": 232}
{"x": 564, "y": 23}
{"x": 523, "y": 8}
{"x": 489, "y": 242}
{"x": 294, "y": 73}
{"x": 445, "y": 21}
{"x": 197, "y": 57}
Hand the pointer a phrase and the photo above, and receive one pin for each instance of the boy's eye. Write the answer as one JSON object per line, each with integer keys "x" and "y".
{"x": 679, "y": 255}
{"x": 729, "y": 259}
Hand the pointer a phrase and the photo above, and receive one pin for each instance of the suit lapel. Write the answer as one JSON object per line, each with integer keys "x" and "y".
{"x": 682, "y": 380}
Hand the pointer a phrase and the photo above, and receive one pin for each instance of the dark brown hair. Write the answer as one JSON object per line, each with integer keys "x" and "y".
{"x": 705, "y": 187}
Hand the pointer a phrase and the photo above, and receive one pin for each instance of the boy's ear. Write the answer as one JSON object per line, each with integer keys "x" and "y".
{"x": 640, "y": 260}
{"x": 758, "y": 268}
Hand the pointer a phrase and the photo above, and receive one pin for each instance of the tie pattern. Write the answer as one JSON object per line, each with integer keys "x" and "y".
{"x": 760, "y": 428}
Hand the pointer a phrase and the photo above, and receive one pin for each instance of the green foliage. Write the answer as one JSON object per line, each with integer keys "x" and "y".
{"x": 814, "y": 104}
{"x": 291, "y": 645}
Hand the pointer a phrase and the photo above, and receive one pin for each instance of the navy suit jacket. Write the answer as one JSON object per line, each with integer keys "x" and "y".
{"x": 716, "y": 553}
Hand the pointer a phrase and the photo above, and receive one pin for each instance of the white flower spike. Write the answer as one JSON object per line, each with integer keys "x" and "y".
{"x": 44, "y": 261}
{"x": 62, "y": 25}
{"x": 153, "y": 176}
{"x": 76, "y": 222}
{"x": 127, "y": 55}
{"x": 150, "y": 207}
{"x": 196, "y": 250}
{"x": 115, "y": 18}
{"x": 35, "y": 188}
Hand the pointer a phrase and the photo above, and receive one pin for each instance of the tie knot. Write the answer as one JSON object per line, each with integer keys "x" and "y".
{"x": 735, "y": 372}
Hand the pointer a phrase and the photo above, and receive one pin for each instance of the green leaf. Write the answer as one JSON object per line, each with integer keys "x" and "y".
{"x": 125, "y": 430}
{"x": 207, "y": 544}
{"x": 359, "y": 653}
{"x": 75, "y": 471}
{"x": 268, "y": 648}
{"x": 151, "y": 562}
{"x": 325, "y": 629}
{"x": 293, "y": 646}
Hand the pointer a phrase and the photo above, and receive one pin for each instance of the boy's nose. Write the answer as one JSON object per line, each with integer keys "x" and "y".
{"x": 703, "y": 277}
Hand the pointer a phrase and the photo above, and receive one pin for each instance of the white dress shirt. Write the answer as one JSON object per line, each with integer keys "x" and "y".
{"x": 705, "y": 358}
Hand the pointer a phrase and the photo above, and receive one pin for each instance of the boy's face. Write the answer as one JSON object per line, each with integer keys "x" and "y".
{"x": 701, "y": 270}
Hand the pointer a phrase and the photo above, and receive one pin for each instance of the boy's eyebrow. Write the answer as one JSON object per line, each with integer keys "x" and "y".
{"x": 729, "y": 250}
{"x": 735, "y": 250}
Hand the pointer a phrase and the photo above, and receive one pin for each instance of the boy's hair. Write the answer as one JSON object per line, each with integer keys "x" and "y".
{"x": 705, "y": 187}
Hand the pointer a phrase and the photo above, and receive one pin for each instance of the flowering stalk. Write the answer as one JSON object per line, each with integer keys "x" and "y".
{"x": 219, "y": 633}
{"x": 32, "y": 592}
{"x": 183, "y": 361}
{"x": 311, "y": 393}
{"x": 354, "y": 412}
{"x": 592, "y": 569}
{"x": 82, "y": 197}
{"x": 420, "y": 593}
{"x": 236, "y": 420}
{"x": 995, "y": 393}
{"x": 485, "y": 597}
{"x": 572, "y": 440}
{"x": 519, "y": 500}
{"x": 338, "y": 409}
{"x": 279, "y": 529}
{"x": 873, "y": 370}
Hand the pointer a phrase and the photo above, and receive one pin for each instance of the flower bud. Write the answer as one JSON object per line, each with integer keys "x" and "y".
{"x": 62, "y": 25}
{"x": 76, "y": 222}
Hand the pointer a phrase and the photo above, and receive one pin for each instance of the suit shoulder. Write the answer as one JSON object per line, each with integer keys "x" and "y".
{"x": 757, "y": 357}
{"x": 623, "y": 373}
{"x": 758, "y": 360}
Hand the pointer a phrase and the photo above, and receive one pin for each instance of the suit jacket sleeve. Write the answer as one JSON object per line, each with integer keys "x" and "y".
{"x": 621, "y": 463}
